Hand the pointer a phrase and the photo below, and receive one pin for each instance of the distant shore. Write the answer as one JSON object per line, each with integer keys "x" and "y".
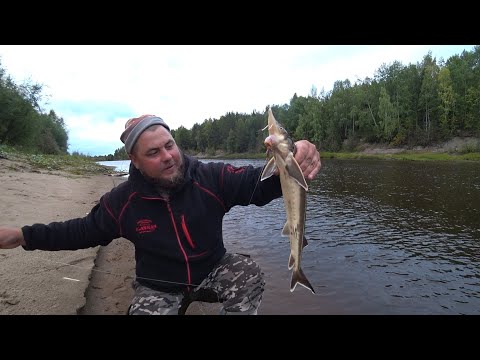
{"x": 458, "y": 148}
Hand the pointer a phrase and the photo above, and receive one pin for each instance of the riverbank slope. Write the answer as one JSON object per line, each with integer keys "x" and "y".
{"x": 95, "y": 281}
{"x": 42, "y": 282}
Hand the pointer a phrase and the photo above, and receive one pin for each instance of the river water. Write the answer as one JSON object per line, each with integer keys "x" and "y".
{"x": 385, "y": 237}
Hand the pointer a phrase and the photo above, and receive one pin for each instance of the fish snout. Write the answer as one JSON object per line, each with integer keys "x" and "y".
{"x": 270, "y": 141}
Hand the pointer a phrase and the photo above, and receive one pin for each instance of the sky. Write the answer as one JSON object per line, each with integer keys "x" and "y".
{"x": 97, "y": 88}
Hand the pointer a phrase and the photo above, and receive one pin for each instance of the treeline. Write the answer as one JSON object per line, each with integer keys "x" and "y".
{"x": 119, "y": 154}
{"x": 22, "y": 121}
{"x": 415, "y": 104}
{"x": 402, "y": 105}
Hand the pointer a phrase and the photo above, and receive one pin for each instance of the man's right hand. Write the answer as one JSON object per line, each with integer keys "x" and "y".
{"x": 11, "y": 238}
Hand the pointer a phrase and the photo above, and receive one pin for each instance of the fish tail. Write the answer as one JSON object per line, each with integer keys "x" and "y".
{"x": 298, "y": 277}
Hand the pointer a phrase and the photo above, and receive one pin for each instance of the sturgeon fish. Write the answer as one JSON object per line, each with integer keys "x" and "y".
{"x": 294, "y": 190}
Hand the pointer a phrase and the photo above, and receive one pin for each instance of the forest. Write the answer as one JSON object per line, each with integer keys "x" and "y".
{"x": 400, "y": 105}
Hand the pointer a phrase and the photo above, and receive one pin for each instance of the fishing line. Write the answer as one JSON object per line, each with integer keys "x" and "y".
{"x": 260, "y": 176}
{"x": 112, "y": 273}
{"x": 255, "y": 188}
{"x": 139, "y": 277}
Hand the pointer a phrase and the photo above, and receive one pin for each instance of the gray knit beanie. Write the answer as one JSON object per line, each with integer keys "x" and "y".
{"x": 136, "y": 126}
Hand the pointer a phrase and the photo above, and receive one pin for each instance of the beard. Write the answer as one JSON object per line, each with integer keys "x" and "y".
{"x": 168, "y": 185}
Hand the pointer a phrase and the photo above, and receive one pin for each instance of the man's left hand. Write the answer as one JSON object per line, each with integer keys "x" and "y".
{"x": 308, "y": 158}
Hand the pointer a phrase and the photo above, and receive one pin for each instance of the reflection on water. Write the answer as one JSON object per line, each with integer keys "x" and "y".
{"x": 119, "y": 165}
{"x": 385, "y": 237}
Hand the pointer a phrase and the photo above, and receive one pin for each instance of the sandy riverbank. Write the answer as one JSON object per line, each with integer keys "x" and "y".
{"x": 42, "y": 282}
{"x": 94, "y": 281}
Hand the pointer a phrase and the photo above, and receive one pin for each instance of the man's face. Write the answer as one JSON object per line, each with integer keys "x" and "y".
{"x": 158, "y": 157}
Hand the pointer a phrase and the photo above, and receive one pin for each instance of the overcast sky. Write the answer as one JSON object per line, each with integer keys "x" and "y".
{"x": 96, "y": 88}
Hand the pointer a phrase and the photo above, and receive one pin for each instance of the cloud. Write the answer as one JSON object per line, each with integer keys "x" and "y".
{"x": 96, "y": 88}
{"x": 94, "y": 126}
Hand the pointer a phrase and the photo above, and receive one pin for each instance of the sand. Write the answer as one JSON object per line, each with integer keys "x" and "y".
{"x": 49, "y": 282}
{"x": 95, "y": 281}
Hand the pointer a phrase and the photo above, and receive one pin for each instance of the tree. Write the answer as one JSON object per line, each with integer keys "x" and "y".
{"x": 387, "y": 115}
{"x": 183, "y": 138}
{"x": 428, "y": 93}
{"x": 447, "y": 102}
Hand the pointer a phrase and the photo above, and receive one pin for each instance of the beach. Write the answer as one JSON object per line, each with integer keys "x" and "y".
{"x": 53, "y": 282}
{"x": 94, "y": 281}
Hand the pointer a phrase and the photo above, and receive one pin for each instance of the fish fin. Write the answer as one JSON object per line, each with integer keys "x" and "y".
{"x": 286, "y": 230}
{"x": 291, "y": 262}
{"x": 305, "y": 242}
{"x": 298, "y": 277}
{"x": 295, "y": 171}
{"x": 269, "y": 169}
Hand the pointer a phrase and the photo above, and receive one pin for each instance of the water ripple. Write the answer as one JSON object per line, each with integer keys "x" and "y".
{"x": 385, "y": 237}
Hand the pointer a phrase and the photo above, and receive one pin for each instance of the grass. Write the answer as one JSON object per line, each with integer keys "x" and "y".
{"x": 76, "y": 165}
{"x": 406, "y": 155}
{"x": 260, "y": 156}
{"x": 82, "y": 165}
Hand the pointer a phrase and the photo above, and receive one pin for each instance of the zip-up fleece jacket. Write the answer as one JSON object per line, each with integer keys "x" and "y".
{"x": 178, "y": 240}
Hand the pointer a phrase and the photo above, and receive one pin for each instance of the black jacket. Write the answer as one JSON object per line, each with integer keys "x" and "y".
{"x": 177, "y": 241}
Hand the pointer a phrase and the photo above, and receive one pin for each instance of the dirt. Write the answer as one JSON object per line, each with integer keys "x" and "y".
{"x": 455, "y": 145}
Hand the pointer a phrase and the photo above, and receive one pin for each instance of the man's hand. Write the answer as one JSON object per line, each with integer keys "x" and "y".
{"x": 308, "y": 158}
{"x": 11, "y": 238}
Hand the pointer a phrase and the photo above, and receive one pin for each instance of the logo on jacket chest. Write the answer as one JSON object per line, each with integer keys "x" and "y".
{"x": 235, "y": 170}
{"x": 145, "y": 226}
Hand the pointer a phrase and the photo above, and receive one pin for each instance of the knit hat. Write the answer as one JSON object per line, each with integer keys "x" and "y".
{"x": 136, "y": 126}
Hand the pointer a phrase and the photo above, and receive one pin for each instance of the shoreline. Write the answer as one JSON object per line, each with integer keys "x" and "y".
{"x": 94, "y": 281}
{"x": 455, "y": 149}
{"x": 45, "y": 282}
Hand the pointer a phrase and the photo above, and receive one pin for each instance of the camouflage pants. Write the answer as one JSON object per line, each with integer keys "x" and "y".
{"x": 236, "y": 282}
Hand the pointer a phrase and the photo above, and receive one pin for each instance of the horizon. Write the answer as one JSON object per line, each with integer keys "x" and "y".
{"x": 96, "y": 89}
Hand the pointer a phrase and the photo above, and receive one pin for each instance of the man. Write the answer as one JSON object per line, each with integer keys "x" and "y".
{"x": 171, "y": 208}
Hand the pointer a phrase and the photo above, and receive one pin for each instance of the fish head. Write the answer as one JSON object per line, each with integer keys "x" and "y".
{"x": 282, "y": 147}
{"x": 278, "y": 139}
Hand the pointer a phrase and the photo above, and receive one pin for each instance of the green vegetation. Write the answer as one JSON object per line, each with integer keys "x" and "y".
{"x": 119, "y": 154}
{"x": 23, "y": 122}
{"x": 406, "y": 155}
{"x": 75, "y": 165}
{"x": 401, "y": 106}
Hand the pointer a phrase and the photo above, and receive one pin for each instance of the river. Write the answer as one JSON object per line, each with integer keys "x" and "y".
{"x": 385, "y": 237}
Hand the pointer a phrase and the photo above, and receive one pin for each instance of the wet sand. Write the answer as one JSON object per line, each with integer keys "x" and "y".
{"x": 43, "y": 282}
{"x": 95, "y": 281}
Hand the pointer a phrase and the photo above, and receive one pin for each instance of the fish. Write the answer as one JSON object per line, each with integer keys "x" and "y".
{"x": 294, "y": 189}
